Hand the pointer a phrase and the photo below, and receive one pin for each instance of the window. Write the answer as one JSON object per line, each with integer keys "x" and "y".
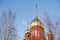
{"x": 38, "y": 33}
{"x": 35, "y": 32}
{"x": 32, "y": 33}
{"x": 28, "y": 36}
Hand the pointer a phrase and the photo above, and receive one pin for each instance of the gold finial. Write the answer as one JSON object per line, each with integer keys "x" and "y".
{"x": 28, "y": 25}
{"x": 50, "y": 31}
{"x": 36, "y": 16}
{"x": 28, "y": 28}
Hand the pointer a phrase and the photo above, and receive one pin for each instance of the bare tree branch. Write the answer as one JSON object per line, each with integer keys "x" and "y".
{"x": 7, "y": 28}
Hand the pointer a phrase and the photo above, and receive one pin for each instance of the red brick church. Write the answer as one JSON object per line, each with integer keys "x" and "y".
{"x": 36, "y": 30}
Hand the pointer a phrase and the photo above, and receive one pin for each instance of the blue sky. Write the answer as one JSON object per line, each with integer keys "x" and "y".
{"x": 25, "y": 11}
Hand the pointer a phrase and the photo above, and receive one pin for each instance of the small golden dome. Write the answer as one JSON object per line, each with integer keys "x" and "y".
{"x": 27, "y": 31}
{"x": 50, "y": 32}
{"x": 36, "y": 22}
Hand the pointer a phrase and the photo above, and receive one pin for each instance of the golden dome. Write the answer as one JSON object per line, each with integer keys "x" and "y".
{"x": 36, "y": 22}
{"x": 50, "y": 32}
{"x": 27, "y": 31}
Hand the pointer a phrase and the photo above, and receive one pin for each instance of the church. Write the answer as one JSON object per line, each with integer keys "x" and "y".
{"x": 36, "y": 30}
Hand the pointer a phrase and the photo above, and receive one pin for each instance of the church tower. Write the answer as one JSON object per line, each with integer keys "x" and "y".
{"x": 50, "y": 35}
{"x": 27, "y": 35}
{"x": 36, "y": 29}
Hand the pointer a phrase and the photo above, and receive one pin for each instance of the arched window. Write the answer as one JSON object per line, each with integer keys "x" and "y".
{"x": 32, "y": 33}
{"x": 38, "y": 33}
{"x": 28, "y": 36}
{"x": 35, "y": 32}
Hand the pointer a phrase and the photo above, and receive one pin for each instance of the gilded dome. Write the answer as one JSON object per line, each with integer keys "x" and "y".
{"x": 50, "y": 32}
{"x": 27, "y": 31}
{"x": 36, "y": 22}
